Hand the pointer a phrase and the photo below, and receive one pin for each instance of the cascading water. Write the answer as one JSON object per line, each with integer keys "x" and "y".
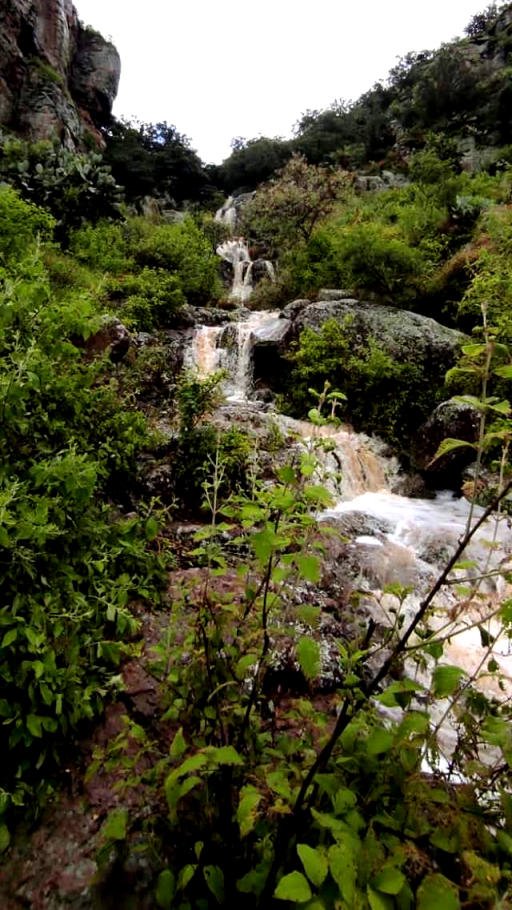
{"x": 230, "y": 348}
{"x": 398, "y": 539}
{"x": 236, "y": 252}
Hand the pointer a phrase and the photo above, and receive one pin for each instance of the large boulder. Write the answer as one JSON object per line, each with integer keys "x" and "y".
{"x": 407, "y": 337}
{"x": 390, "y": 363}
{"x": 454, "y": 420}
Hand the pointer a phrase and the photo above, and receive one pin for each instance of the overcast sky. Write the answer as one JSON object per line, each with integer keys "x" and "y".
{"x": 218, "y": 70}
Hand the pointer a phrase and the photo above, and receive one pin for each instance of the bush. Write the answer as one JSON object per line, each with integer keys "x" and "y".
{"x": 177, "y": 257}
{"x": 183, "y": 249}
{"x": 384, "y": 397}
{"x": 20, "y": 225}
{"x": 74, "y": 187}
{"x": 149, "y": 299}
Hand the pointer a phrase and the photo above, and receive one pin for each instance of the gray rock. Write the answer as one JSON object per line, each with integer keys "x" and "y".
{"x": 406, "y": 336}
{"x": 57, "y": 78}
{"x": 454, "y": 420}
{"x": 367, "y": 183}
{"x": 112, "y": 336}
{"x": 292, "y": 310}
{"x": 335, "y": 294}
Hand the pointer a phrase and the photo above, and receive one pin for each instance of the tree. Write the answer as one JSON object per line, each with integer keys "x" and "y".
{"x": 289, "y": 207}
{"x": 155, "y": 160}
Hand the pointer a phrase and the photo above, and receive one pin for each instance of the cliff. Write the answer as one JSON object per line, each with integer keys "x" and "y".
{"x": 57, "y": 78}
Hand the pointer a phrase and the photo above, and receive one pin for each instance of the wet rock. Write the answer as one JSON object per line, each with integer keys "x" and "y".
{"x": 230, "y": 212}
{"x": 112, "y": 336}
{"x": 407, "y": 337}
{"x": 293, "y": 309}
{"x": 454, "y": 420}
{"x": 335, "y": 294}
{"x": 189, "y": 316}
{"x": 367, "y": 183}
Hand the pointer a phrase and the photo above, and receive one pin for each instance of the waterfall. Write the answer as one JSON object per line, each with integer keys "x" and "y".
{"x": 230, "y": 348}
{"x": 236, "y": 252}
{"x": 393, "y": 539}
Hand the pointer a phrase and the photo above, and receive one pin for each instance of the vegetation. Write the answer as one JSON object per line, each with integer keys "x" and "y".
{"x": 283, "y": 771}
{"x": 70, "y": 560}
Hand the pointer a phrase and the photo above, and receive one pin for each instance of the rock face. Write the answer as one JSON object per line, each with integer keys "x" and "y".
{"x": 57, "y": 78}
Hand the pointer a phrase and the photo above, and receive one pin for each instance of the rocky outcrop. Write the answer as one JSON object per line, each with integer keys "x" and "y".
{"x": 407, "y": 337}
{"x": 57, "y": 78}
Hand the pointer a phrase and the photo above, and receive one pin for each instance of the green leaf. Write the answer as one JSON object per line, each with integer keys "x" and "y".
{"x": 5, "y": 838}
{"x": 445, "y": 840}
{"x": 264, "y": 543}
{"x": 342, "y": 867}
{"x": 446, "y": 680}
{"x": 474, "y": 350}
{"x": 308, "y": 655}
{"x": 389, "y": 880}
{"x": 315, "y": 863}
{"x": 254, "y": 881}
{"x": 504, "y": 371}
{"x": 245, "y": 663}
{"x": 114, "y": 827}
{"x": 309, "y": 614}
{"x": 246, "y": 813}
{"x": 293, "y": 887}
{"x": 223, "y": 755}
{"x": 449, "y": 445}
{"x": 437, "y": 893}
{"x": 379, "y": 901}
{"x": 214, "y": 878}
{"x": 151, "y": 529}
{"x": 309, "y": 568}
{"x": 165, "y": 888}
{"x": 186, "y": 875}
{"x": 379, "y": 741}
{"x": 9, "y": 637}
{"x": 399, "y": 693}
{"x": 34, "y": 725}
{"x": 178, "y": 745}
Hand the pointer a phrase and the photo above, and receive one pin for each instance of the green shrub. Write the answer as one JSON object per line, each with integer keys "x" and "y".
{"x": 182, "y": 249}
{"x": 149, "y": 299}
{"x": 20, "y": 225}
{"x": 74, "y": 187}
{"x": 384, "y": 397}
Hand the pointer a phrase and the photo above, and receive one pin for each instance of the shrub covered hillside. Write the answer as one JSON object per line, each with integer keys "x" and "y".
{"x": 461, "y": 90}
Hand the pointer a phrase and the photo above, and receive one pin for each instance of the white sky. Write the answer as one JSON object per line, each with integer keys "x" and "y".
{"x": 222, "y": 69}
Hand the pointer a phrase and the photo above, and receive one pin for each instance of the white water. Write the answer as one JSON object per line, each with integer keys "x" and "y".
{"x": 229, "y": 347}
{"x": 236, "y": 252}
{"x": 402, "y": 540}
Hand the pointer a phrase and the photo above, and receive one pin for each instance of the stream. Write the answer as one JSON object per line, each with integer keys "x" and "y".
{"x": 396, "y": 540}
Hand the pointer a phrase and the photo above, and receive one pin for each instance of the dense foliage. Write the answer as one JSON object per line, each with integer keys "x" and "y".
{"x": 155, "y": 160}
{"x": 69, "y": 560}
{"x": 75, "y": 188}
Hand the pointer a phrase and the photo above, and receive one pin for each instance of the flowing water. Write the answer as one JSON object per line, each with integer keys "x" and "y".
{"x": 230, "y": 348}
{"x": 236, "y": 252}
{"x": 397, "y": 540}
